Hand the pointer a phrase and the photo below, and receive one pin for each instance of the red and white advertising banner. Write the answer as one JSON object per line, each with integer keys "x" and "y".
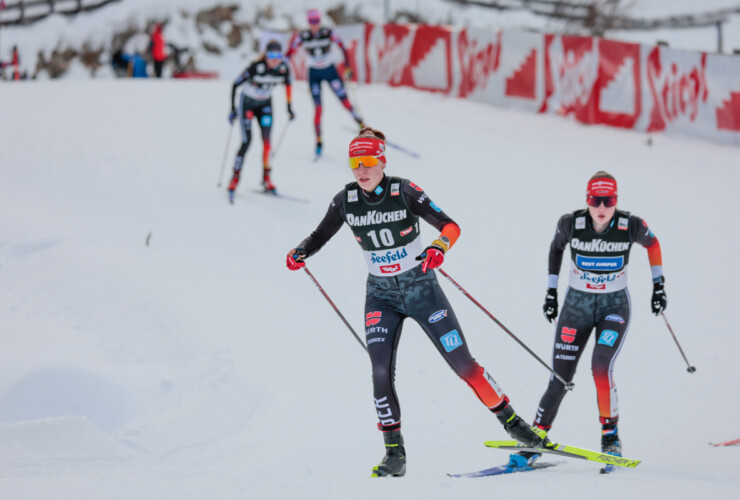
{"x": 416, "y": 56}
{"x": 692, "y": 94}
{"x": 723, "y": 82}
{"x": 592, "y": 80}
{"x": 499, "y": 68}
{"x": 595, "y": 80}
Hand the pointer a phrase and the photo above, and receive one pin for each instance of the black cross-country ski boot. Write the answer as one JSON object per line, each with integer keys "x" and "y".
{"x": 610, "y": 443}
{"x": 394, "y": 461}
{"x": 519, "y": 430}
{"x": 267, "y": 182}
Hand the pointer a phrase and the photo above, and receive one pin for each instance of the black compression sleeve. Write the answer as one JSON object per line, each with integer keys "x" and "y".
{"x": 327, "y": 228}
{"x": 559, "y": 241}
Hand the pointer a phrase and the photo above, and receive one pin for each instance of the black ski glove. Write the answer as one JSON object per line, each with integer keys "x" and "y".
{"x": 660, "y": 301}
{"x": 551, "y": 304}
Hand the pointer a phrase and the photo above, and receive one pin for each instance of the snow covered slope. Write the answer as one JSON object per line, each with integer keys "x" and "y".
{"x": 155, "y": 346}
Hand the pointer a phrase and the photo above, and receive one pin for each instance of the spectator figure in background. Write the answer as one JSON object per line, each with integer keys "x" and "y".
{"x": 136, "y": 65}
{"x": 177, "y": 54}
{"x": 16, "y": 62}
{"x": 317, "y": 41}
{"x": 157, "y": 49}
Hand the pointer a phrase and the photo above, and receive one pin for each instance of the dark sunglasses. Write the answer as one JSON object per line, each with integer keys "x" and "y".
{"x": 595, "y": 201}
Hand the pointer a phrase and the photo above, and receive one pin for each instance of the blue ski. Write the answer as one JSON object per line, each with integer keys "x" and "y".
{"x": 505, "y": 469}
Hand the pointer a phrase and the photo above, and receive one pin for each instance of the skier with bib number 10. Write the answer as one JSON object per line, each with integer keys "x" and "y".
{"x": 383, "y": 213}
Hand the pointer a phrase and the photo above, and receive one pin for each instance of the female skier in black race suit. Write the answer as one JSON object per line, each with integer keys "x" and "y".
{"x": 383, "y": 213}
{"x": 600, "y": 238}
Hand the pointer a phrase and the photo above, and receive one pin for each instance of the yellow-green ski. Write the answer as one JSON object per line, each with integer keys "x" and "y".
{"x": 567, "y": 451}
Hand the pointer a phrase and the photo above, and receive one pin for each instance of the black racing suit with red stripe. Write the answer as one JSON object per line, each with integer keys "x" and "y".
{"x": 385, "y": 223}
{"x": 597, "y": 298}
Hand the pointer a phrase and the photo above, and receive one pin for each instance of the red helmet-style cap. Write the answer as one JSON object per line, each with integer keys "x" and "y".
{"x": 367, "y": 146}
{"x": 602, "y": 186}
{"x": 314, "y": 16}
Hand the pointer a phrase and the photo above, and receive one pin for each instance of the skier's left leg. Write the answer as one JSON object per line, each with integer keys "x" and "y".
{"x": 338, "y": 87}
{"x": 264, "y": 115}
{"x": 427, "y": 304}
{"x": 382, "y": 332}
{"x": 613, "y": 314}
{"x": 314, "y": 83}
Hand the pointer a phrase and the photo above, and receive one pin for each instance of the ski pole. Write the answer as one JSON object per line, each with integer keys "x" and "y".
{"x": 279, "y": 141}
{"x": 226, "y": 153}
{"x": 568, "y": 385}
{"x": 690, "y": 369}
{"x": 336, "y": 309}
{"x": 352, "y": 95}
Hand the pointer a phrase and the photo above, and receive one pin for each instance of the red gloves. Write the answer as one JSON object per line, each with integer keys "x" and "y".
{"x": 295, "y": 259}
{"x": 432, "y": 256}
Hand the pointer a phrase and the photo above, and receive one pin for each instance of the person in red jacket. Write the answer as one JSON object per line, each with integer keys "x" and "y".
{"x": 157, "y": 48}
{"x": 16, "y": 61}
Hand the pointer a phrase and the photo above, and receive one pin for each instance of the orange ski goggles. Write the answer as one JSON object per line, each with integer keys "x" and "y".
{"x": 367, "y": 161}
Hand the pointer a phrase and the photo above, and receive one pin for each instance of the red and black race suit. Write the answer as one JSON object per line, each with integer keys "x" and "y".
{"x": 597, "y": 299}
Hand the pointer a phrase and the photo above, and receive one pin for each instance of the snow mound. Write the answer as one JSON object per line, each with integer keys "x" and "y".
{"x": 57, "y": 440}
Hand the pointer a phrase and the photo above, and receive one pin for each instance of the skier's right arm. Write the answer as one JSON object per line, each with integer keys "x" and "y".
{"x": 296, "y": 42}
{"x": 557, "y": 247}
{"x": 554, "y": 261}
{"x": 239, "y": 80}
{"x": 327, "y": 228}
